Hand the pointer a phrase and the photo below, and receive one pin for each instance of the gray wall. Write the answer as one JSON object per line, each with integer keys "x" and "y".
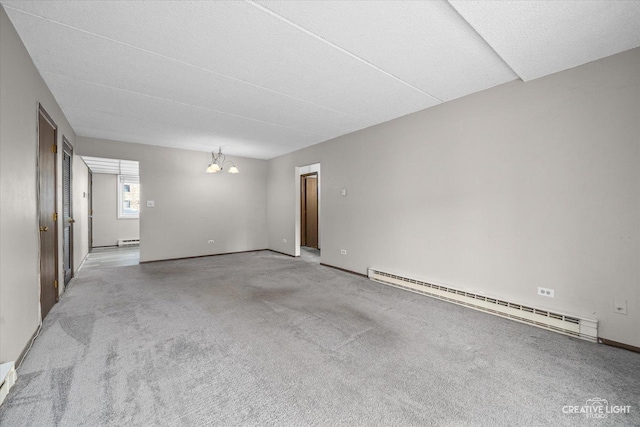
{"x": 21, "y": 89}
{"x": 192, "y": 207}
{"x": 107, "y": 228}
{"x": 522, "y": 185}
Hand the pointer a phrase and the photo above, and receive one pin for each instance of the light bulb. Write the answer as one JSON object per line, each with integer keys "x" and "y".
{"x": 213, "y": 168}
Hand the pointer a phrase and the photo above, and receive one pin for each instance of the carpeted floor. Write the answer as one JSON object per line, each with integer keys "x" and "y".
{"x": 264, "y": 339}
{"x": 310, "y": 254}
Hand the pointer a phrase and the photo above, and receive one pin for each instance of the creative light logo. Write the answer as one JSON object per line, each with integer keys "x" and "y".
{"x": 596, "y": 407}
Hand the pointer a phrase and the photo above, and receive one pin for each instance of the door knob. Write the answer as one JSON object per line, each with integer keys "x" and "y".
{"x": 71, "y": 220}
{"x": 44, "y": 228}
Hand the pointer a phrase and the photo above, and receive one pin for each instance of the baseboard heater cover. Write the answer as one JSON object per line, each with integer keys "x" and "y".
{"x": 128, "y": 242}
{"x": 578, "y": 327}
{"x": 8, "y": 377}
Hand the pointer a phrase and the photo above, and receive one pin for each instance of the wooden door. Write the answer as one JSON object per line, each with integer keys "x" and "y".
{"x": 303, "y": 211}
{"x": 67, "y": 209}
{"x": 90, "y": 210}
{"x": 47, "y": 150}
{"x": 309, "y": 211}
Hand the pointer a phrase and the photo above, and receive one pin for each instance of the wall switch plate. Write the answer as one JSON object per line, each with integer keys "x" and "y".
{"x": 151, "y": 204}
{"x": 343, "y": 192}
{"x": 620, "y": 306}
{"x": 546, "y": 292}
{"x": 343, "y": 251}
{"x": 284, "y": 240}
{"x": 211, "y": 242}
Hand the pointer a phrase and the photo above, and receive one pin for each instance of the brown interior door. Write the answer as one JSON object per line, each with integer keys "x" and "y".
{"x": 303, "y": 210}
{"x": 47, "y": 206}
{"x": 90, "y": 209}
{"x": 67, "y": 200}
{"x": 311, "y": 211}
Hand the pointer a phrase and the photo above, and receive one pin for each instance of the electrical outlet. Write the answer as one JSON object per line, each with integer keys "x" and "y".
{"x": 284, "y": 240}
{"x": 211, "y": 242}
{"x": 343, "y": 192}
{"x": 620, "y": 306}
{"x": 343, "y": 251}
{"x": 546, "y": 292}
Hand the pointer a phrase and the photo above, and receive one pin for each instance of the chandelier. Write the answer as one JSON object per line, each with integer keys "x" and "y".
{"x": 218, "y": 161}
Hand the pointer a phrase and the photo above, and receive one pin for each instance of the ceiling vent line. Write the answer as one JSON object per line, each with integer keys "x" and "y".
{"x": 586, "y": 329}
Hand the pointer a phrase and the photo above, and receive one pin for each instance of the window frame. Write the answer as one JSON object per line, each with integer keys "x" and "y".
{"x": 121, "y": 181}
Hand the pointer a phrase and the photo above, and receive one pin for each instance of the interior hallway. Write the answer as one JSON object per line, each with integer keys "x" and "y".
{"x": 264, "y": 339}
{"x": 112, "y": 257}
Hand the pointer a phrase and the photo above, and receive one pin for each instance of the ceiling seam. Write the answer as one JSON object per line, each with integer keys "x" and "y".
{"x": 341, "y": 49}
{"x": 181, "y": 62}
{"x": 141, "y": 120}
{"x": 183, "y": 103}
{"x": 135, "y": 134}
{"x": 166, "y": 143}
{"x": 483, "y": 39}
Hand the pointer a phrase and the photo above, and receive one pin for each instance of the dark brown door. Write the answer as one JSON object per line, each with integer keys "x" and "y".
{"x": 67, "y": 200}
{"x": 90, "y": 210}
{"x": 48, "y": 217}
{"x": 303, "y": 210}
{"x": 309, "y": 211}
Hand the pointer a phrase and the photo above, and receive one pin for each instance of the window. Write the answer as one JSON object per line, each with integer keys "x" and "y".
{"x": 128, "y": 197}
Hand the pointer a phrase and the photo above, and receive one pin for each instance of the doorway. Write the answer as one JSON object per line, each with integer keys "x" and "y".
{"x": 47, "y": 149}
{"x": 90, "y": 209}
{"x": 309, "y": 210}
{"x": 67, "y": 209}
{"x": 114, "y": 211}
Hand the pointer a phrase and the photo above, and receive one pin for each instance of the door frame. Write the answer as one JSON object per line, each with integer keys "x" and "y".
{"x": 298, "y": 171}
{"x": 66, "y": 147}
{"x": 90, "y": 209}
{"x": 41, "y": 112}
{"x": 303, "y": 207}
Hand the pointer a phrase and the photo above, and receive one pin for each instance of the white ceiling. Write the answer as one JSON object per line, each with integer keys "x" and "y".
{"x": 537, "y": 38}
{"x": 266, "y": 78}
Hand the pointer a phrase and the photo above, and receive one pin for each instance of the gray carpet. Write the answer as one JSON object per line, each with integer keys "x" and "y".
{"x": 310, "y": 254}
{"x": 264, "y": 339}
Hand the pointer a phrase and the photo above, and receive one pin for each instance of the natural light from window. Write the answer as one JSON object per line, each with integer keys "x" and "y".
{"x": 128, "y": 197}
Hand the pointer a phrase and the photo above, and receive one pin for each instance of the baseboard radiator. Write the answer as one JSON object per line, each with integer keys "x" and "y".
{"x": 8, "y": 377}
{"x": 128, "y": 242}
{"x": 569, "y": 325}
